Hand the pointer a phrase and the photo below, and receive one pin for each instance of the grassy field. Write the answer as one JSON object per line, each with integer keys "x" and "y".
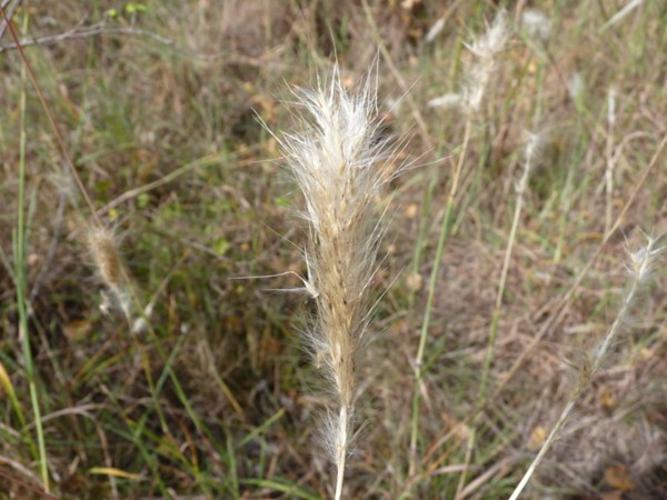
{"x": 493, "y": 288}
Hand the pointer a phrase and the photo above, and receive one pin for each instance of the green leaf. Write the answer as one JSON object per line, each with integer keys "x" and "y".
{"x": 135, "y": 7}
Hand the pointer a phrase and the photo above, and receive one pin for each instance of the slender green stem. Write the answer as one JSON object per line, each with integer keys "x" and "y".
{"x": 423, "y": 336}
{"x": 21, "y": 286}
{"x": 422, "y": 232}
{"x": 16, "y": 404}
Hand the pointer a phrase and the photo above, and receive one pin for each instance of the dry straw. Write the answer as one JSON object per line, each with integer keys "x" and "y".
{"x": 341, "y": 164}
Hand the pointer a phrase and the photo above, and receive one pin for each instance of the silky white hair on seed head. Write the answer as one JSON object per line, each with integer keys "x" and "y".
{"x": 341, "y": 163}
{"x": 536, "y": 23}
{"x": 641, "y": 260}
{"x": 485, "y": 48}
{"x": 487, "y": 45}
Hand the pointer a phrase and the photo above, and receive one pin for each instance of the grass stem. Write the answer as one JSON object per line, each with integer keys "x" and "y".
{"x": 21, "y": 284}
{"x": 341, "y": 452}
{"x": 423, "y": 335}
{"x": 493, "y": 327}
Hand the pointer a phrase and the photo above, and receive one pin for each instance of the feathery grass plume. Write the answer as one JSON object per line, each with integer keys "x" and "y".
{"x": 639, "y": 268}
{"x": 103, "y": 249}
{"x": 485, "y": 49}
{"x": 341, "y": 164}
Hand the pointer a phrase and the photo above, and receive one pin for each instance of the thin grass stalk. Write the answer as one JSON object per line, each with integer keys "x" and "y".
{"x": 341, "y": 451}
{"x": 421, "y": 242}
{"x": 530, "y": 152}
{"x": 611, "y": 160}
{"x": 640, "y": 267}
{"x": 382, "y": 47}
{"x": 52, "y": 121}
{"x": 484, "y": 49}
{"x": 21, "y": 285}
{"x": 433, "y": 279}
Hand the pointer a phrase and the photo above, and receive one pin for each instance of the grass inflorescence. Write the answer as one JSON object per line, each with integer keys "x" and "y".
{"x": 341, "y": 164}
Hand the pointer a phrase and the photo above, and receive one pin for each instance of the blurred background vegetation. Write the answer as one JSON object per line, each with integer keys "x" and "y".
{"x": 158, "y": 104}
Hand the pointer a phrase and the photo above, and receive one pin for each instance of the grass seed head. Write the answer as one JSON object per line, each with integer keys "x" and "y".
{"x": 641, "y": 260}
{"x": 341, "y": 164}
{"x": 485, "y": 48}
{"x": 104, "y": 250}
